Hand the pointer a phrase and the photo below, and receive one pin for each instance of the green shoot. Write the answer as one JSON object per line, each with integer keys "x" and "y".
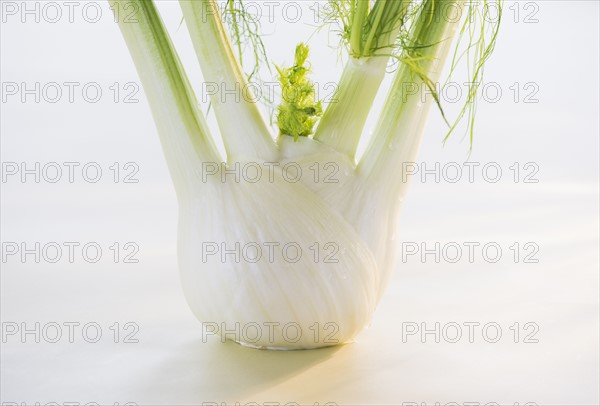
{"x": 298, "y": 111}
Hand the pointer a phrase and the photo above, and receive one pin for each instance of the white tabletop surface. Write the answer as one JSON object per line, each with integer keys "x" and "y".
{"x": 172, "y": 364}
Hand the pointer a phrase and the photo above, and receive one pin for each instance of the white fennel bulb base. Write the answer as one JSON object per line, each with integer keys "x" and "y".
{"x": 255, "y": 277}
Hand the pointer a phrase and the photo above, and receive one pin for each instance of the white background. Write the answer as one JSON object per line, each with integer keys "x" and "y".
{"x": 172, "y": 365}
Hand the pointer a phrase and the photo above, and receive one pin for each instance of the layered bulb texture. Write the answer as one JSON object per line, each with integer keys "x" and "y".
{"x": 285, "y": 254}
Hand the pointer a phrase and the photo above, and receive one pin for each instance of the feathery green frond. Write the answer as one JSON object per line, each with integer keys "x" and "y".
{"x": 478, "y": 37}
{"x": 244, "y": 30}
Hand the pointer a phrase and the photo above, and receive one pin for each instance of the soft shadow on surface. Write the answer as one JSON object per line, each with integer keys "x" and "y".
{"x": 198, "y": 372}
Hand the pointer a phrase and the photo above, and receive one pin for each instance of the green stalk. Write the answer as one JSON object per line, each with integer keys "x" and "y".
{"x": 359, "y": 16}
{"x": 183, "y": 132}
{"x": 344, "y": 119}
{"x": 378, "y": 15}
{"x": 244, "y": 130}
{"x": 398, "y": 133}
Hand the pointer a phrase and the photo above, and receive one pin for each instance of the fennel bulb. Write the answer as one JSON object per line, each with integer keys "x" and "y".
{"x": 289, "y": 243}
